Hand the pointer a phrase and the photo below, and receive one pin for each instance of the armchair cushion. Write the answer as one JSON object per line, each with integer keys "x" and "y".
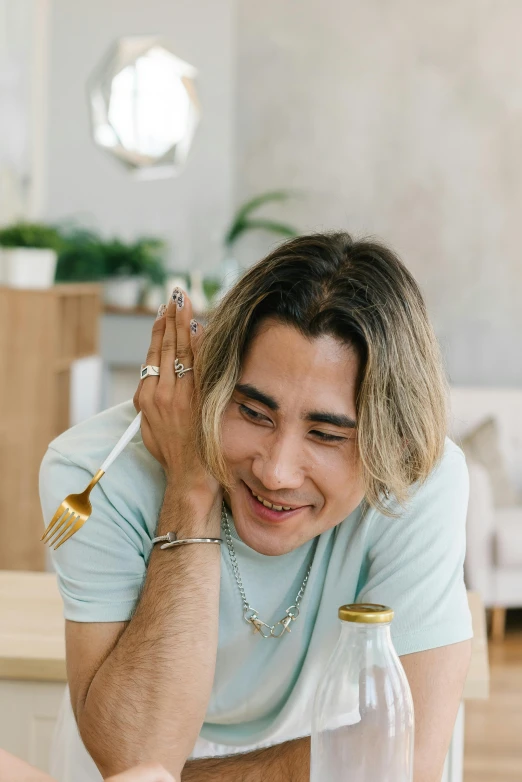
{"x": 509, "y": 537}
{"x": 481, "y": 446}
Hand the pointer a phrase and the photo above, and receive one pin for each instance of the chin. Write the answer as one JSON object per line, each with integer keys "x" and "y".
{"x": 263, "y": 535}
{"x": 265, "y": 542}
{"x": 269, "y": 548}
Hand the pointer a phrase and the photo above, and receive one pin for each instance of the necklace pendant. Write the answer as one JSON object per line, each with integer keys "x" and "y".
{"x": 250, "y": 615}
{"x": 284, "y": 627}
{"x": 261, "y": 627}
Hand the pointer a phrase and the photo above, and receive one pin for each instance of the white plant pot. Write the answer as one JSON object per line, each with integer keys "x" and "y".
{"x": 154, "y": 296}
{"x": 27, "y": 267}
{"x": 123, "y": 292}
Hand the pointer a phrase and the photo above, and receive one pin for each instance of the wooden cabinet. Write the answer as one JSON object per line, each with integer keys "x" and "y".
{"x": 42, "y": 332}
{"x": 32, "y": 664}
{"x": 28, "y": 719}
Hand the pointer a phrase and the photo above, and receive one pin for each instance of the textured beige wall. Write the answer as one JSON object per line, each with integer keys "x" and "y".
{"x": 400, "y": 118}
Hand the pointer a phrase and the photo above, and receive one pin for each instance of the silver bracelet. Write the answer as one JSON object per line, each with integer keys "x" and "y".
{"x": 172, "y": 540}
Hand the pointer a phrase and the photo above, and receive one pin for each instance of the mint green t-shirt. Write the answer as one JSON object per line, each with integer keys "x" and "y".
{"x": 263, "y": 688}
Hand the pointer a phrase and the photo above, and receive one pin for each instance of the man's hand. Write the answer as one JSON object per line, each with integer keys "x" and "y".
{"x": 165, "y": 401}
{"x": 150, "y": 772}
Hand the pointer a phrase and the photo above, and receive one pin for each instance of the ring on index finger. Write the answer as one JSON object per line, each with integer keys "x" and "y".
{"x": 179, "y": 369}
{"x": 148, "y": 370}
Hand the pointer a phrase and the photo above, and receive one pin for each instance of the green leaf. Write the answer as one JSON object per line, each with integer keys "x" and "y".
{"x": 211, "y": 285}
{"x": 262, "y": 224}
{"x": 235, "y": 231}
{"x": 80, "y": 263}
{"x": 272, "y": 226}
{"x": 237, "y": 225}
{"x": 259, "y": 200}
{"x": 36, "y": 235}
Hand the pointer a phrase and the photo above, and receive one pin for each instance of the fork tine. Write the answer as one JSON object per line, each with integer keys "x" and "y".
{"x": 55, "y": 519}
{"x": 57, "y": 516}
{"x": 72, "y": 529}
{"x": 58, "y": 535}
{"x": 63, "y": 526}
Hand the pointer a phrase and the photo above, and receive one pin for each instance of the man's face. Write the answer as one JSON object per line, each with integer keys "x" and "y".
{"x": 289, "y": 437}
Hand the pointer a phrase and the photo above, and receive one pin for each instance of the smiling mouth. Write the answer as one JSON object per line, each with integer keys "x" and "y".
{"x": 271, "y": 505}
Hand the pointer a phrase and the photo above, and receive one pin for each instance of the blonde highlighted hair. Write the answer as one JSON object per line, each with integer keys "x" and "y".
{"x": 359, "y": 292}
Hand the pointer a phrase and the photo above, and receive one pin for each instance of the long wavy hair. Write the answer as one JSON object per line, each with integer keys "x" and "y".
{"x": 359, "y": 292}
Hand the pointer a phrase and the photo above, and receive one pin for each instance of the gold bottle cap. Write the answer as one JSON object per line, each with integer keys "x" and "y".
{"x": 365, "y": 613}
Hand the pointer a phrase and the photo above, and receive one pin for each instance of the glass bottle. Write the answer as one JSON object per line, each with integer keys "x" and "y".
{"x": 362, "y": 719}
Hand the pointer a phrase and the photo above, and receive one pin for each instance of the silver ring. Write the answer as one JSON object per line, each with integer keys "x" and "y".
{"x": 148, "y": 370}
{"x": 179, "y": 369}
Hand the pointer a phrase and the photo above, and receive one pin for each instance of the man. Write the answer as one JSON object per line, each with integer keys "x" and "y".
{"x": 306, "y": 430}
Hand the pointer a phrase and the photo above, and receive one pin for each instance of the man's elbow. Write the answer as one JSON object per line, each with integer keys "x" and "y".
{"x": 112, "y": 756}
{"x": 99, "y": 747}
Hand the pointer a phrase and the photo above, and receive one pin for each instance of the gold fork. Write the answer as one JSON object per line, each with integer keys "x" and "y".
{"x": 76, "y": 508}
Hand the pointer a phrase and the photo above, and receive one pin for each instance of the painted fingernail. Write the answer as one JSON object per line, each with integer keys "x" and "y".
{"x": 161, "y": 311}
{"x": 193, "y": 326}
{"x": 175, "y": 294}
{"x": 181, "y": 300}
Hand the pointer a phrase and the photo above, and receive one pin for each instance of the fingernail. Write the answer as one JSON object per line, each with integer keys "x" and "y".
{"x": 161, "y": 311}
{"x": 181, "y": 300}
{"x": 175, "y": 294}
{"x": 193, "y": 326}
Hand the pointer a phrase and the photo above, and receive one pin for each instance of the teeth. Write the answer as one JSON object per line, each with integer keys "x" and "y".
{"x": 270, "y": 505}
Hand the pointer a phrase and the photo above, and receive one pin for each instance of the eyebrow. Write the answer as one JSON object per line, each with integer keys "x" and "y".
{"x": 331, "y": 418}
{"x": 315, "y": 416}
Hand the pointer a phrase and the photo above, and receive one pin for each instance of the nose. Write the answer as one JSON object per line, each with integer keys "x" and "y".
{"x": 279, "y": 465}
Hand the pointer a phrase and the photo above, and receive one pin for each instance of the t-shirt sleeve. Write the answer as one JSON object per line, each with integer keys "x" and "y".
{"x": 416, "y": 562}
{"x": 101, "y": 568}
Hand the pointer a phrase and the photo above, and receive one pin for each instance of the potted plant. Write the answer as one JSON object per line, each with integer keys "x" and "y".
{"x": 81, "y": 258}
{"x": 126, "y": 269}
{"x": 244, "y": 221}
{"x": 28, "y": 255}
{"x": 130, "y": 268}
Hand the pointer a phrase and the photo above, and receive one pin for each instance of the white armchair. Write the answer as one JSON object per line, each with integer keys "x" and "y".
{"x": 494, "y": 534}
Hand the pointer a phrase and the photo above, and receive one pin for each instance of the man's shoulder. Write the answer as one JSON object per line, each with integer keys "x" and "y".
{"x": 134, "y": 474}
{"x": 452, "y": 450}
{"x": 88, "y": 443}
{"x": 448, "y": 478}
{"x": 451, "y": 466}
{"x": 448, "y": 483}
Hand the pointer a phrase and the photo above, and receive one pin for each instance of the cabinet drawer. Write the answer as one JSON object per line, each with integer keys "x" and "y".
{"x": 28, "y": 713}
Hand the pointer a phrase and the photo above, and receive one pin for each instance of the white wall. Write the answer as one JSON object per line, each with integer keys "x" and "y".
{"x": 23, "y": 83}
{"x": 402, "y": 119}
{"x": 191, "y": 210}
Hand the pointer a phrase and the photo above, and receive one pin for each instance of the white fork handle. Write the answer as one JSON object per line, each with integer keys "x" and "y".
{"x": 122, "y": 442}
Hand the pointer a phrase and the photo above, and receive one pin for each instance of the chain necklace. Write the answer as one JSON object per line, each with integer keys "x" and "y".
{"x": 250, "y": 614}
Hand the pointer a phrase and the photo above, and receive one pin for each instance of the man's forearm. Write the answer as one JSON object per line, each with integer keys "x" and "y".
{"x": 287, "y": 762}
{"x": 148, "y": 699}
